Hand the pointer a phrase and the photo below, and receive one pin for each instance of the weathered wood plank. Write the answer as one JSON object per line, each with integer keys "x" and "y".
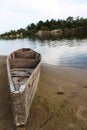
{"x": 25, "y": 54}
{"x": 20, "y": 74}
{"x": 22, "y": 69}
{"x": 23, "y": 63}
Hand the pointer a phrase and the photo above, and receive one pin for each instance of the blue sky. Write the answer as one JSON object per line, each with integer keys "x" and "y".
{"x": 15, "y": 14}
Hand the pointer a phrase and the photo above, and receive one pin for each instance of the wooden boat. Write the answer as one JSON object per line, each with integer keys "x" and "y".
{"x": 23, "y": 68}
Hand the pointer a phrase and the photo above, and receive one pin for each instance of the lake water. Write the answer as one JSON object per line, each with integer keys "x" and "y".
{"x": 72, "y": 53}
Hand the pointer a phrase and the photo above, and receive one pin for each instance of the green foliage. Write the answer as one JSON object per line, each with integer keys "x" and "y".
{"x": 69, "y": 26}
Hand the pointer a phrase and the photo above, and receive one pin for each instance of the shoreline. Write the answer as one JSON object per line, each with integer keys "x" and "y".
{"x": 55, "y": 66}
{"x": 1, "y": 56}
{"x": 60, "y": 99}
{"x": 65, "y": 67}
{"x": 59, "y": 66}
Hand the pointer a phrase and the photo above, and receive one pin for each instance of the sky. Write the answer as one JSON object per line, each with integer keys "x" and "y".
{"x": 16, "y": 14}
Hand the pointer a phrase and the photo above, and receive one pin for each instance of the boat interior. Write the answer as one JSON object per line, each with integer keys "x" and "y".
{"x": 22, "y": 64}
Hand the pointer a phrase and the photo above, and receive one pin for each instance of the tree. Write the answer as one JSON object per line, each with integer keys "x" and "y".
{"x": 69, "y": 19}
{"x": 39, "y": 25}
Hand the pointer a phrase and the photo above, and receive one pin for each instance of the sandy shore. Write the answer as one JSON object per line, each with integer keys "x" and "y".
{"x": 60, "y": 102}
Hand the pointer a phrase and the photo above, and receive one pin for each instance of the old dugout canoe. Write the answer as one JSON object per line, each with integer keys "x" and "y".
{"x": 23, "y": 68}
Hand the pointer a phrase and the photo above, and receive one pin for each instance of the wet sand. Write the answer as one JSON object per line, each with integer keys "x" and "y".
{"x": 60, "y": 102}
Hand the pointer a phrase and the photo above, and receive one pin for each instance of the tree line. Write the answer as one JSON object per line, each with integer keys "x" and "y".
{"x": 70, "y": 26}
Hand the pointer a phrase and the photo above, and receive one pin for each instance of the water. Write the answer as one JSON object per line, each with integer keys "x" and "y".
{"x": 72, "y": 53}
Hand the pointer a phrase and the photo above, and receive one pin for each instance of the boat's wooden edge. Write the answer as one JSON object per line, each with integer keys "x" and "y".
{"x": 9, "y": 76}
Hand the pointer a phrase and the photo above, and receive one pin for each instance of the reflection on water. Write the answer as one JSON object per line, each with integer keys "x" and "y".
{"x": 71, "y": 53}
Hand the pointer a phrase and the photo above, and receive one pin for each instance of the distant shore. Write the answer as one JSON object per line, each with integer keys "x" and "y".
{"x": 60, "y": 100}
{"x": 69, "y": 28}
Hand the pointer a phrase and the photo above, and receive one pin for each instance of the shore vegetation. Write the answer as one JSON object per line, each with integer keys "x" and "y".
{"x": 69, "y": 27}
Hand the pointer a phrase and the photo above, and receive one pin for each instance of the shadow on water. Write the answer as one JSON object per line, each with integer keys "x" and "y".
{"x": 54, "y": 40}
{"x": 67, "y": 36}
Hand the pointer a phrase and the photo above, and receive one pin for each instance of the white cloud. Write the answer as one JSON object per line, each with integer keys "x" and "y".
{"x": 19, "y": 13}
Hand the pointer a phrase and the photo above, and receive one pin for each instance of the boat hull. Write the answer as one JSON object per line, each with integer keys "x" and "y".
{"x": 23, "y": 91}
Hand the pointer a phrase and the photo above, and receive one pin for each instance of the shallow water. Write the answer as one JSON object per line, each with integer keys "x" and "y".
{"x": 72, "y": 53}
